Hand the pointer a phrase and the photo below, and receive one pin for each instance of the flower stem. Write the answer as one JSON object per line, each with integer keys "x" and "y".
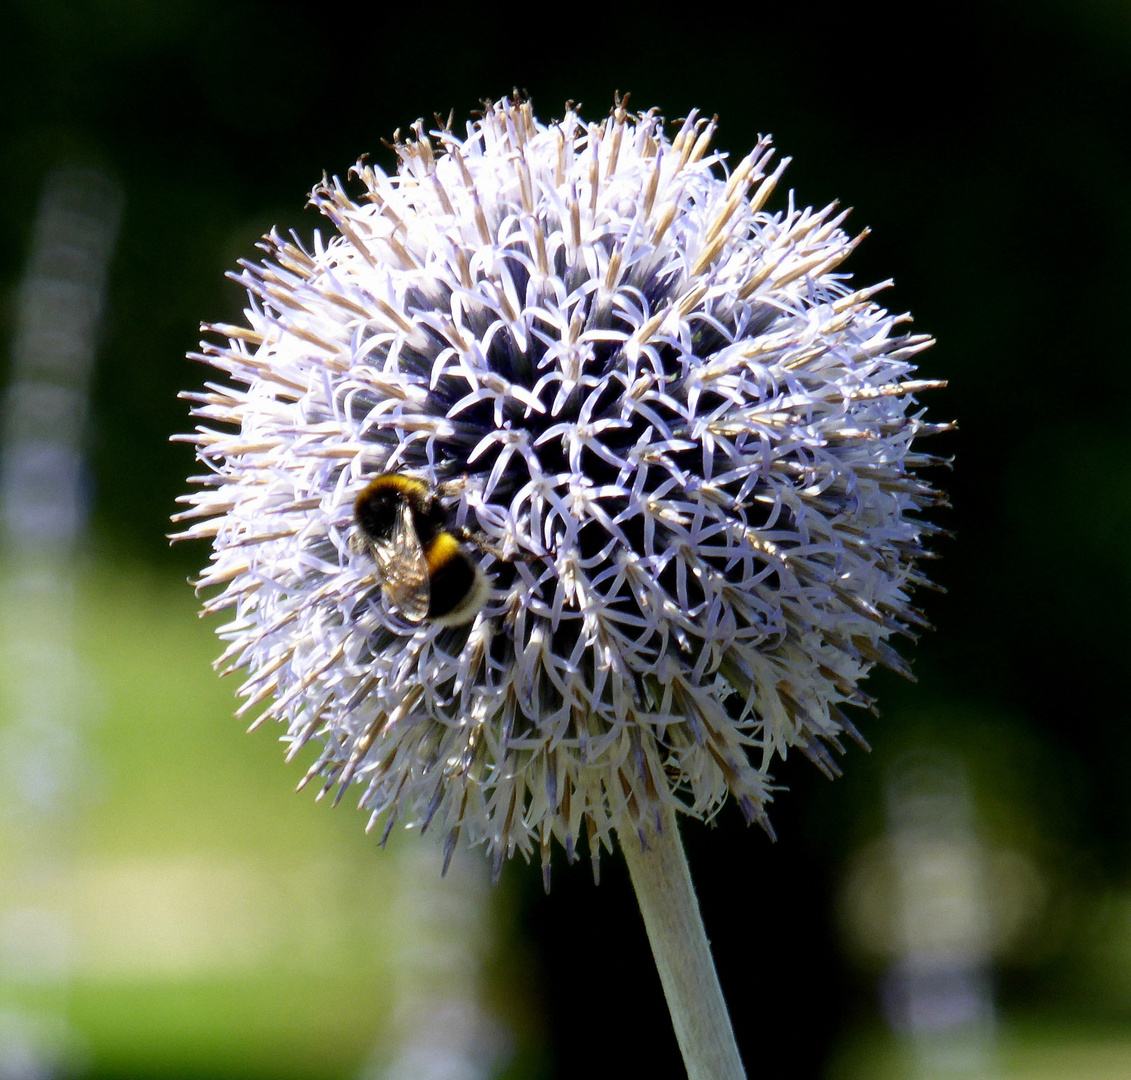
{"x": 663, "y": 887}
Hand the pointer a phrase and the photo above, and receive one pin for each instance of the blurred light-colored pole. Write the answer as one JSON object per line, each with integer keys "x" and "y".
{"x": 938, "y": 990}
{"x": 46, "y": 695}
{"x": 441, "y": 1028}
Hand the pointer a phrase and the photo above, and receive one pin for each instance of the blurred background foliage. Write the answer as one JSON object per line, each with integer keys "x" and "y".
{"x": 959, "y": 900}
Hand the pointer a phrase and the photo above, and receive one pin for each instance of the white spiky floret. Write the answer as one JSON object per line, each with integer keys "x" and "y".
{"x": 682, "y": 436}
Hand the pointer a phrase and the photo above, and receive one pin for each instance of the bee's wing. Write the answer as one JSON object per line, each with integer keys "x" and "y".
{"x": 404, "y": 569}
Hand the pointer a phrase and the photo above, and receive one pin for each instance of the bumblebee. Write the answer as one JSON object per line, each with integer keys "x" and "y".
{"x": 425, "y": 570}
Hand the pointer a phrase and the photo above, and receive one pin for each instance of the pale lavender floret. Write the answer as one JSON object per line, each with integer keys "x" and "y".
{"x": 683, "y": 435}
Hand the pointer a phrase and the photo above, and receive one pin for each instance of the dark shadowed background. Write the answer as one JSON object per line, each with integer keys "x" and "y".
{"x": 987, "y": 146}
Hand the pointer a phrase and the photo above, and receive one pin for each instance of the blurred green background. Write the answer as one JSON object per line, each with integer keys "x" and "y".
{"x": 958, "y": 904}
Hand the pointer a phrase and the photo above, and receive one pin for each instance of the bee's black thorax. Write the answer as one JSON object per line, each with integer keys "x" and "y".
{"x": 379, "y": 504}
{"x": 423, "y": 559}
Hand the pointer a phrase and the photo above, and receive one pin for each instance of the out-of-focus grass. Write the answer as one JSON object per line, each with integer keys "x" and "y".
{"x": 1022, "y": 1050}
{"x": 216, "y": 923}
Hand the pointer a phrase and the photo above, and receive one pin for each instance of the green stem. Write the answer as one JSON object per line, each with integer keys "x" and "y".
{"x": 683, "y": 957}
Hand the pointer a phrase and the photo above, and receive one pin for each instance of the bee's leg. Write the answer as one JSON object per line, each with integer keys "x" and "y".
{"x": 478, "y": 540}
{"x": 451, "y": 489}
{"x": 468, "y": 536}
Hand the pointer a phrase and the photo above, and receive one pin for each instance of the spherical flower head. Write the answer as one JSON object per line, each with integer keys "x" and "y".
{"x": 673, "y": 438}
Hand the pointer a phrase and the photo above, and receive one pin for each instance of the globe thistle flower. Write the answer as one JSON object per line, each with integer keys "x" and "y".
{"x": 678, "y": 439}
